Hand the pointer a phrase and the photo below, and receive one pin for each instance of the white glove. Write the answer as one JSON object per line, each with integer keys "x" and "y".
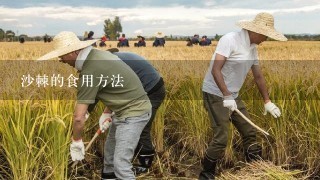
{"x": 272, "y": 109}
{"x": 77, "y": 150}
{"x": 105, "y": 121}
{"x": 229, "y": 102}
{"x": 87, "y": 115}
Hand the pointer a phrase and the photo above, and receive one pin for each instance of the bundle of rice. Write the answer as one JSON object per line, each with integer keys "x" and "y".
{"x": 261, "y": 170}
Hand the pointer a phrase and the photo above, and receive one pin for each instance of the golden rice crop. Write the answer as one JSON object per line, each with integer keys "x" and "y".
{"x": 35, "y": 134}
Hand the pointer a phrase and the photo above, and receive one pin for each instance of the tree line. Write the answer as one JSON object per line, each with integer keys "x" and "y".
{"x": 6, "y": 35}
{"x": 113, "y": 28}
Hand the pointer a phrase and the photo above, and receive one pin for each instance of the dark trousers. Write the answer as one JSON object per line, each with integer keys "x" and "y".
{"x": 145, "y": 146}
{"x": 221, "y": 117}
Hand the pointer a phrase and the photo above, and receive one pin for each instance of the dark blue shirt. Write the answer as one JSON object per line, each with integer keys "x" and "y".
{"x": 147, "y": 74}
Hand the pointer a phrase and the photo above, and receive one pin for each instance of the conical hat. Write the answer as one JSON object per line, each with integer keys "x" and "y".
{"x": 263, "y": 23}
{"x": 159, "y": 35}
{"x": 64, "y": 43}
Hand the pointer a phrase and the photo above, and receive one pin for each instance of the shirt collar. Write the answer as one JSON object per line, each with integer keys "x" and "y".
{"x": 244, "y": 34}
{"x": 82, "y": 56}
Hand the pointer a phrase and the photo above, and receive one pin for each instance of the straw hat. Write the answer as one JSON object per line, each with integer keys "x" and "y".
{"x": 263, "y": 23}
{"x": 64, "y": 43}
{"x": 159, "y": 35}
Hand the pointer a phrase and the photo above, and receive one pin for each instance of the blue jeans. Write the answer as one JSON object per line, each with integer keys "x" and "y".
{"x": 121, "y": 142}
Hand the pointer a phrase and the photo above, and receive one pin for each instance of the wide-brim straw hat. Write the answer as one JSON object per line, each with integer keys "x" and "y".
{"x": 263, "y": 23}
{"x": 64, "y": 43}
{"x": 159, "y": 35}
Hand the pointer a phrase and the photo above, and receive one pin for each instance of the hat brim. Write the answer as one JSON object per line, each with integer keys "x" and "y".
{"x": 66, "y": 50}
{"x": 270, "y": 32}
{"x": 159, "y": 36}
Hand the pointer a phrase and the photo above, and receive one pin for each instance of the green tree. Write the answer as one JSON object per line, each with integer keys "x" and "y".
{"x": 1, "y": 34}
{"x": 217, "y": 37}
{"x": 112, "y": 28}
{"x": 106, "y": 29}
{"x": 113, "y": 33}
{"x": 117, "y": 26}
{"x": 10, "y": 35}
{"x": 109, "y": 29}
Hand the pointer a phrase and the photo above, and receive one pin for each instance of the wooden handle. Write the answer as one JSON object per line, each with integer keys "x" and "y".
{"x": 250, "y": 122}
{"x": 88, "y": 146}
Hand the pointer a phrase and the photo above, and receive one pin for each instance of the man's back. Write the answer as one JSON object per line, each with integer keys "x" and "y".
{"x": 114, "y": 83}
{"x": 147, "y": 74}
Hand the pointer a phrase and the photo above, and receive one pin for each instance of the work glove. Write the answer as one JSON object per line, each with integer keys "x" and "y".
{"x": 77, "y": 150}
{"x": 86, "y": 116}
{"x": 272, "y": 109}
{"x": 105, "y": 121}
{"x": 229, "y": 102}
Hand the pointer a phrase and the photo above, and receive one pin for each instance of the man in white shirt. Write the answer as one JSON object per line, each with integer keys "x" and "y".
{"x": 235, "y": 55}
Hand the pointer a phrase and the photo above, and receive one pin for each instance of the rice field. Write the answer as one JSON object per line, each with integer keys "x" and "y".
{"x": 35, "y": 123}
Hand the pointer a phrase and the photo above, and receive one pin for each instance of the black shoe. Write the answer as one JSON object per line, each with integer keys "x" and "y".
{"x": 206, "y": 176}
{"x": 108, "y": 176}
{"x": 137, "y": 170}
{"x": 253, "y": 154}
{"x": 146, "y": 160}
{"x": 209, "y": 168}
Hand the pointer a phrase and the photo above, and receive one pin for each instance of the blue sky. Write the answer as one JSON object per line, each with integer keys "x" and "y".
{"x": 184, "y": 17}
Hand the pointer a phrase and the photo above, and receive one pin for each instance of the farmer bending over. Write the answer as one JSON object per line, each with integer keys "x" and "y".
{"x": 125, "y": 97}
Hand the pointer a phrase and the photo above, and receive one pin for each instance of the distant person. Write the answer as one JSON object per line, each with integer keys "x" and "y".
{"x": 103, "y": 41}
{"x": 21, "y": 39}
{"x": 141, "y": 42}
{"x": 208, "y": 41}
{"x": 189, "y": 42}
{"x": 195, "y": 39}
{"x": 90, "y": 37}
{"x": 123, "y": 41}
{"x": 205, "y": 41}
{"x": 159, "y": 41}
{"x": 47, "y": 38}
{"x": 235, "y": 54}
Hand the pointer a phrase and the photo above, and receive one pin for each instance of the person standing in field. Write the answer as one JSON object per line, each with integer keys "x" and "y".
{"x": 235, "y": 54}
{"x": 123, "y": 94}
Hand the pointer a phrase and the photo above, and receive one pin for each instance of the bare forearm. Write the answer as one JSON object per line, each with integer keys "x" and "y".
{"x": 78, "y": 124}
{"x": 218, "y": 77}
{"x": 79, "y": 119}
{"x": 261, "y": 84}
